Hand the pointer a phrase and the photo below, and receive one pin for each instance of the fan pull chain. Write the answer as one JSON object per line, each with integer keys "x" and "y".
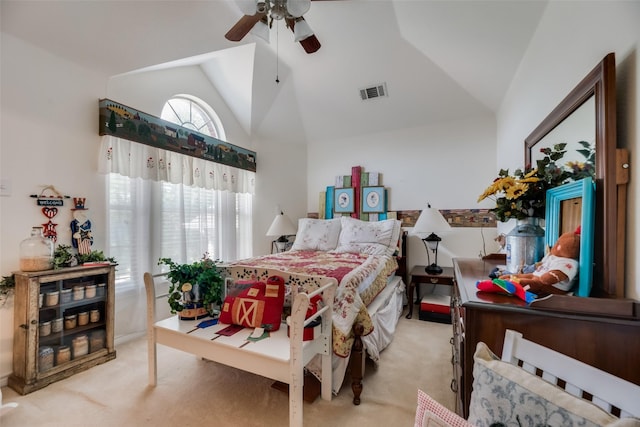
{"x": 277, "y": 52}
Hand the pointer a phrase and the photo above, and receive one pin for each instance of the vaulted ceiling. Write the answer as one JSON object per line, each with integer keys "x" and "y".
{"x": 440, "y": 60}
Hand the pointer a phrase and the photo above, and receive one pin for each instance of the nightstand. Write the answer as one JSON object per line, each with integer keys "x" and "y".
{"x": 419, "y": 276}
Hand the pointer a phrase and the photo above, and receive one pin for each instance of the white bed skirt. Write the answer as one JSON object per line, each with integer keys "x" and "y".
{"x": 385, "y": 311}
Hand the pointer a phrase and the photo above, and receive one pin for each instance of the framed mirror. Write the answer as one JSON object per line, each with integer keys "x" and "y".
{"x": 568, "y": 207}
{"x": 594, "y": 96}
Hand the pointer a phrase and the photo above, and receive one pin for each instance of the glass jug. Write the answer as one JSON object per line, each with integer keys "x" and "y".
{"x": 36, "y": 252}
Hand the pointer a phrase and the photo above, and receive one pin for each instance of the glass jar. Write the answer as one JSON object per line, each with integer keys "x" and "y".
{"x": 57, "y": 325}
{"x": 90, "y": 291}
{"x": 96, "y": 340}
{"x": 45, "y": 328}
{"x": 63, "y": 355}
{"x": 51, "y": 298}
{"x": 45, "y": 358}
{"x": 83, "y": 318}
{"x": 65, "y": 296}
{"x": 78, "y": 293}
{"x": 70, "y": 321}
{"x": 36, "y": 252}
{"x": 80, "y": 346}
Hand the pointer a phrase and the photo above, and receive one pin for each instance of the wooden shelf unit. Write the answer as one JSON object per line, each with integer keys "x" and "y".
{"x": 28, "y": 374}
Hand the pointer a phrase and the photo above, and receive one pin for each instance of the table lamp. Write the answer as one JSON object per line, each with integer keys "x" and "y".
{"x": 282, "y": 227}
{"x": 429, "y": 222}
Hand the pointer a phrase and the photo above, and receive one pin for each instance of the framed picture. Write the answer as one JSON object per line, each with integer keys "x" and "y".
{"x": 373, "y": 200}
{"x": 568, "y": 206}
{"x": 343, "y": 201}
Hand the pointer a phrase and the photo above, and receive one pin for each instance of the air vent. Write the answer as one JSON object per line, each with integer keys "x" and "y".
{"x": 374, "y": 91}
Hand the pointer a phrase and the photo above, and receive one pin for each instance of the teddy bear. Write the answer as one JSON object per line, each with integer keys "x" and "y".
{"x": 557, "y": 272}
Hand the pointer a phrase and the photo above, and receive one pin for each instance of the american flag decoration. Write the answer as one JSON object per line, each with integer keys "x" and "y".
{"x": 81, "y": 237}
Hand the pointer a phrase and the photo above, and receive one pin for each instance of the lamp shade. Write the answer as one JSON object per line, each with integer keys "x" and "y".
{"x": 301, "y": 30}
{"x": 297, "y": 8}
{"x": 281, "y": 226}
{"x": 430, "y": 221}
{"x": 248, "y": 7}
{"x": 261, "y": 29}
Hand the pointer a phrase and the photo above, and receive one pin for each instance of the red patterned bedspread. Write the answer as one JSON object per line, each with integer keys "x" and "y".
{"x": 361, "y": 278}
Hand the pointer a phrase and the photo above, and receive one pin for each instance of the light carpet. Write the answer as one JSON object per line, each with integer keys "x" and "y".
{"x": 195, "y": 392}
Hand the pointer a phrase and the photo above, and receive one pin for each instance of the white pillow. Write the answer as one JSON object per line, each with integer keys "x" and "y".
{"x": 369, "y": 237}
{"x": 317, "y": 234}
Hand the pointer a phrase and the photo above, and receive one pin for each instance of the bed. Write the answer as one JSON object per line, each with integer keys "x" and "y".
{"x": 363, "y": 257}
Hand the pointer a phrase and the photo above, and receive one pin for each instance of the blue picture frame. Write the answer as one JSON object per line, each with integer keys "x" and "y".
{"x": 344, "y": 200}
{"x": 373, "y": 200}
{"x": 585, "y": 189}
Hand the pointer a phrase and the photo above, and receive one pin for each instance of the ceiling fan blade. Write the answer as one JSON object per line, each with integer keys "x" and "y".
{"x": 243, "y": 26}
{"x": 310, "y": 44}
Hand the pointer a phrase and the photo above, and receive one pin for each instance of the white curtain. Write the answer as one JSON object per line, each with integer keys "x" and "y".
{"x": 150, "y": 217}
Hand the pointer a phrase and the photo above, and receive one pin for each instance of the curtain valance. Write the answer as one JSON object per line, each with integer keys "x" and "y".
{"x": 136, "y": 160}
{"x": 125, "y": 122}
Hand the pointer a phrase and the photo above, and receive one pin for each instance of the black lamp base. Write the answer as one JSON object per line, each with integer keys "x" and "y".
{"x": 433, "y": 269}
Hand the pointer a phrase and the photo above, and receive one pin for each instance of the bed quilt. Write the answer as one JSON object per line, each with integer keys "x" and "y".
{"x": 361, "y": 277}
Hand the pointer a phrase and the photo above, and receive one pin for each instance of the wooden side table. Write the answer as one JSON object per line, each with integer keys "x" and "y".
{"x": 419, "y": 276}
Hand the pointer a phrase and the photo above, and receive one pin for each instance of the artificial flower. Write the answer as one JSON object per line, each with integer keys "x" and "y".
{"x": 523, "y": 194}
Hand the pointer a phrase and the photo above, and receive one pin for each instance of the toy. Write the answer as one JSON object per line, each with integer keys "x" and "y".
{"x": 557, "y": 271}
{"x": 507, "y": 287}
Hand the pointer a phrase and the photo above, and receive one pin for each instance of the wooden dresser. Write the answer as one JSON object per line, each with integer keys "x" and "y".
{"x": 604, "y": 333}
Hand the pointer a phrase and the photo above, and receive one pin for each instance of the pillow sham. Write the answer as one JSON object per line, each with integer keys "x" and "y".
{"x": 368, "y": 237}
{"x": 507, "y": 394}
{"x": 430, "y": 413}
{"x": 317, "y": 234}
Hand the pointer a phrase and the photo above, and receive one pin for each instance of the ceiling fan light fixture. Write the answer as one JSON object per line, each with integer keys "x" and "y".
{"x": 278, "y": 10}
{"x": 261, "y": 6}
{"x": 301, "y": 30}
{"x": 297, "y": 8}
{"x": 247, "y": 7}
{"x": 261, "y": 29}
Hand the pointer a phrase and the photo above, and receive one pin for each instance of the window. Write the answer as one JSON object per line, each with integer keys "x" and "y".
{"x": 193, "y": 113}
{"x": 150, "y": 219}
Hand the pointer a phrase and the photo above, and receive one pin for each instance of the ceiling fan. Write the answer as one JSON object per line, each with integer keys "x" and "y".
{"x": 263, "y": 12}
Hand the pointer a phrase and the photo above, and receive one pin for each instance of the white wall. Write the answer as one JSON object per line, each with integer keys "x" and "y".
{"x": 447, "y": 164}
{"x": 48, "y": 136}
{"x": 570, "y": 40}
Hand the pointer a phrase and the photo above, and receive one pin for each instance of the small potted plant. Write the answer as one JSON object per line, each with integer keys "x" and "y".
{"x": 7, "y": 287}
{"x": 64, "y": 256}
{"x": 195, "y": 288}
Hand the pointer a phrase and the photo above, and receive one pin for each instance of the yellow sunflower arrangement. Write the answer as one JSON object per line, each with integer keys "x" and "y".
{"x": 523, "y": 194}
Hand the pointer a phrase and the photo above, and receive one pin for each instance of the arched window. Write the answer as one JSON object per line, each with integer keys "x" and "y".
{"x": 193, "y": 113}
